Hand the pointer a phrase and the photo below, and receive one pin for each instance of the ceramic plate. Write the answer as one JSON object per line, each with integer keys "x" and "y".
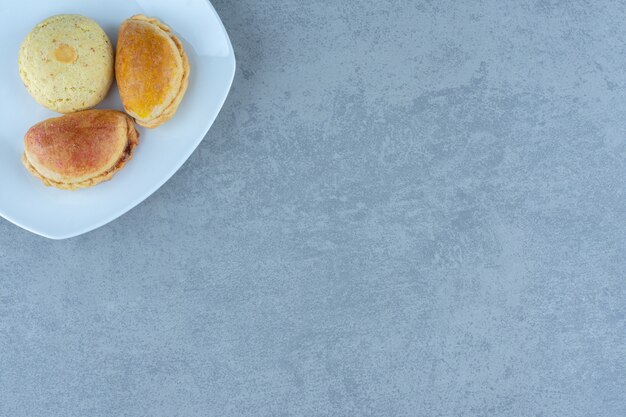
{"x": 59, "y": 214}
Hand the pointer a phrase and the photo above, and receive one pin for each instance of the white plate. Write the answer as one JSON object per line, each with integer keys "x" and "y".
{"x": 59, "y": 214}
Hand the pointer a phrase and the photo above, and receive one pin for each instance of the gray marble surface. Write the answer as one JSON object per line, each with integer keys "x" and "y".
{"x": 405, "y": 208}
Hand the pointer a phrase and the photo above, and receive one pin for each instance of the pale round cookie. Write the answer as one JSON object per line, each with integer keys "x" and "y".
{"x": 66, "y": 63}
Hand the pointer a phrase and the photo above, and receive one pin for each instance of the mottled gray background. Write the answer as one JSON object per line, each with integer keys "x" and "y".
{"x": 405, "y": 208}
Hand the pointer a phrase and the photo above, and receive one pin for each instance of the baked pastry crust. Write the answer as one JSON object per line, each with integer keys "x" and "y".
{"x": 81, "y": 149}
{"x": 66, "y": 63}
{"x": 152, "y": 70}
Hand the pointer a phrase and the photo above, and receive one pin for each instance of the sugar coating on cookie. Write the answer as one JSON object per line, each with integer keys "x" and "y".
{"x": 66, "y": 63}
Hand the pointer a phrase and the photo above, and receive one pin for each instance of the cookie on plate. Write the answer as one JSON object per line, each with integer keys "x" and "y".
{"x": 151, "y": 69}
{"x": 66, "y": 63}
{"x": 81, "y": 149}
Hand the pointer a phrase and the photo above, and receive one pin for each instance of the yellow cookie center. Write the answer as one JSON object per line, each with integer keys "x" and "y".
{"x": 65, "y": 54}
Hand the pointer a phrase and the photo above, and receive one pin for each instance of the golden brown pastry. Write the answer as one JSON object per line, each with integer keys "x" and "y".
{"x": 151, "y": 69}
{"x": 81, "y": 149}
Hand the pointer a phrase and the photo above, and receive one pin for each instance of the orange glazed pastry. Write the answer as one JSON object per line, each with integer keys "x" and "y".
{"x": 81, "y": 149}
{"x": 151, "y": 69}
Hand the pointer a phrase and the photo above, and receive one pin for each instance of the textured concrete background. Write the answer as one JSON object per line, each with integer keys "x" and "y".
{"x": 405, "y": 208}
